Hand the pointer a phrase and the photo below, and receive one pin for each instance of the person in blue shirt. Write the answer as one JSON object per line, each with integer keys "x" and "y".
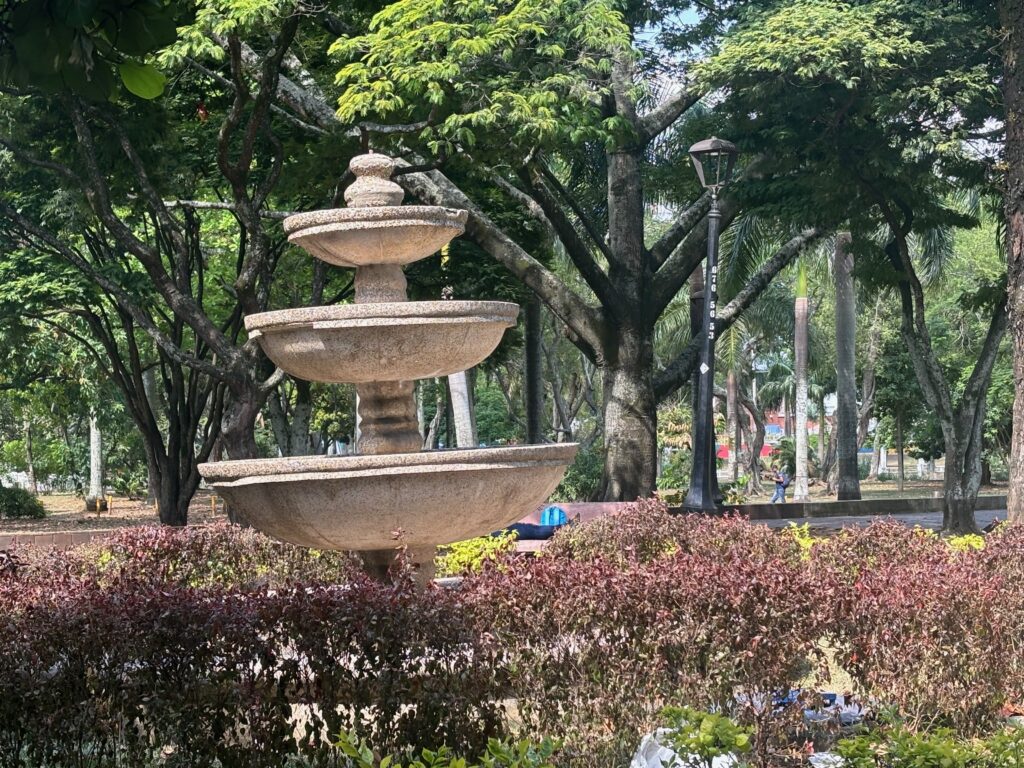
{"x": 781, "y": 483}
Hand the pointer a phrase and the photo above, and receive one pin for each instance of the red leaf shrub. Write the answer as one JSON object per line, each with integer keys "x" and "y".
{"x": 593, "y": 650}
{"x": 216, "y": 644}
{"x": 923, "y": 629}
{"x": 126, "y": 670}
{"x": 202, "y": 555}
{"x": 645, "y": 531}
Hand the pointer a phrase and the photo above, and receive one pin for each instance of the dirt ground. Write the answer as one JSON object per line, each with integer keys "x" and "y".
{"x": 66, "y": 513}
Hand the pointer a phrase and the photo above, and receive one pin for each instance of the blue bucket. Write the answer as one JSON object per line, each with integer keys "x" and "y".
{"x": 553, "y": 516}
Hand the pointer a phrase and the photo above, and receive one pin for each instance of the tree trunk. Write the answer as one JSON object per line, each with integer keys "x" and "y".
{"x": 30, "y": 463}
{"x": 630, "y": 423}
{"x": 152, "y": 398}
{"x": 432, "y": 439}
{"x": 534, "y": 372}
{"x": 732, "y": 408}
{"x": 847, "y": 481}
{"x": 821, "y": 438}
{"x": 449, "y": 415}
{"x": 1011, "y": 17}
{"x": 238, "y": 430}
{"x": 800, "y": 492}
{"x": 298, "y": 437}
{"x": 867, "y": 383}
{"x": 94, "y": 499}
{"x": 462, "y": 410}
{"x": 876, "y": 456}
{"x": 756, "y": 444}
{"x": 900, "y": 471}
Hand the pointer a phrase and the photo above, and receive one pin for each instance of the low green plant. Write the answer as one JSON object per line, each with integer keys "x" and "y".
{"x": 676, "y": 472}
{"x": 469, "y": 556}
{"x": 17, "y": 503}
{"x": 699, "y": 737}
{"x": 734, "y": 494}
{"x": 966, "y": 542}
{"x": 130, "y": 482}
{"x": 801, "y": 534}
{"x": 1004, "y": 750}
{"x": 900, "y": 748}
{"x": 499, "y": 754}
{"x": 582, "y": 481}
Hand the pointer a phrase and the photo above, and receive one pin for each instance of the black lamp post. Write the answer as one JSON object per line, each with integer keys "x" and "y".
{"x": 714, "y": 160}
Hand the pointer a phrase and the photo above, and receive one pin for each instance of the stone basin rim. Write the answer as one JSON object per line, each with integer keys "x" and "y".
{"x": 430, "y": 311}
{"x": 292, "y": 468}
{"x": 384, "y": 217}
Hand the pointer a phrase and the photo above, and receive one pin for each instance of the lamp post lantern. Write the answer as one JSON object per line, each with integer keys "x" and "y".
{"x": 713, "y": 160}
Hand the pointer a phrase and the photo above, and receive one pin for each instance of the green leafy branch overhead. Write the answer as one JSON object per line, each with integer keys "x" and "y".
{"x": 540, "y": 69}
{"x": 85, "y": 46}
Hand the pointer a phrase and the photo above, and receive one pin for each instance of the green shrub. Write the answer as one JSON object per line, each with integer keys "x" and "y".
{"x": 19, "y": 503}
{"x": 469, "y": 556}
{"x": 900, "y": 748}
{"x": 703, "y": 736}
{"x": 675, "y": 475}
{"x": 499, "y": 754}
{"x": 582, "y": 481}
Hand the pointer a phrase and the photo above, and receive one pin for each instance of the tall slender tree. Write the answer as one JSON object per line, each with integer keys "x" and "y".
{"x": 800, "y": 350}
{"x": 1011, "y": 18}
{"x": 848, "y": 479}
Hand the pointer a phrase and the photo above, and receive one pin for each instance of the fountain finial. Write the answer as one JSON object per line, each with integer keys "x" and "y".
{"x": 373, "y": 187}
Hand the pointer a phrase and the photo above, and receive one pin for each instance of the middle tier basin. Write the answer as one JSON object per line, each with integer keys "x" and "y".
{"x": 380, "y": 502}
{"x": 399, "y": 341}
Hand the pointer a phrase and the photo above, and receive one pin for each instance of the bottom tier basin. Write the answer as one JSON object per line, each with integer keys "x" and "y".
{"x": 384, "y": 501}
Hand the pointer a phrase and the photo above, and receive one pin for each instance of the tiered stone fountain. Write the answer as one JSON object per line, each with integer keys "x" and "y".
{"x": 389, "y": 494}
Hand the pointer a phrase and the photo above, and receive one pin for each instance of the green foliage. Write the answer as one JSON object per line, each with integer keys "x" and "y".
{"x": 966, "y": 542}
{"x": 469, "y": 556}
{"x": 499, "y": 754}
{"x": 75, "y": 46}
{"x": 785, "y": 455}
{"x": 130, "y": 481}
{"x": 675, "y": 475}
{"x": 901, "y": 748}
{"x": 19, "y": 503}
{"x": 532, "y": 71}
{"x": 582, "y": 481}
{"x": 802, "y": 536}
{"x": 734, "y": 493}
{"x": 705, "y": 735}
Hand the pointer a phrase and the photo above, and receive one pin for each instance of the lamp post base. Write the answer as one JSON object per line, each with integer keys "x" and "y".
{"x": 701, "y": 502}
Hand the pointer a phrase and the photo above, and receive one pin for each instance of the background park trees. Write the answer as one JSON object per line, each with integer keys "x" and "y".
{"x": 562, "y": 127}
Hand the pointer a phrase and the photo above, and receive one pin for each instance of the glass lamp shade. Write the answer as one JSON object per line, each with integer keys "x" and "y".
{"x": 714, "y": 159}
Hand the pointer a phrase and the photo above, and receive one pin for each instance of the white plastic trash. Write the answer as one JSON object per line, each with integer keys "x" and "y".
{"x": 652, "y": 753}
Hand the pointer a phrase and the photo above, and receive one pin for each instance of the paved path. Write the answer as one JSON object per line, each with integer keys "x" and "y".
{"x": 931, "y": 520}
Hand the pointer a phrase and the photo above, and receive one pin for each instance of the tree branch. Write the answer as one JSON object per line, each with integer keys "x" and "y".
{"x": 676, "y": 269}
{"x": 661, "y": 118}
{"x": 679, "y": 371}
{"x": 574, "y": 245}
{"x": 585, "y": 321}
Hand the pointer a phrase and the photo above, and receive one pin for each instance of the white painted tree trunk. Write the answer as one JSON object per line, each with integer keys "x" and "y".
{"x": 462, "y": 408}
{"x": 800, "y": 492}
{"x": 95, "y": 459}
{"x": 732, "y": 407}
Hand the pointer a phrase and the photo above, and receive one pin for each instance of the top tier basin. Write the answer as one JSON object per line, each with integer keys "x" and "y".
{"x": 354, "y": 237}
